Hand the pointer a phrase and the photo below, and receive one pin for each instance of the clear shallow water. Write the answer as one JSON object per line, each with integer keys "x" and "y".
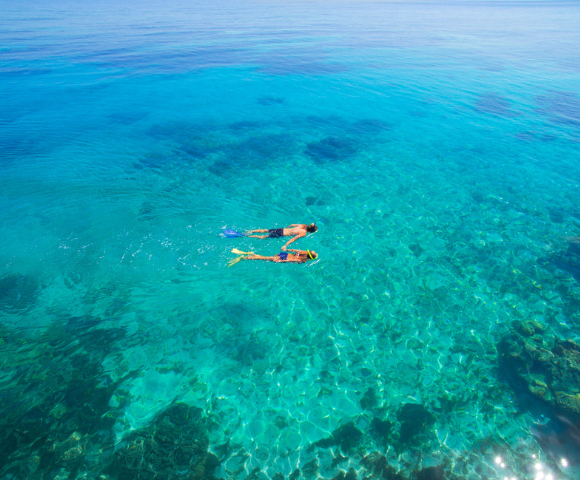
{"x": 436, "y": 146}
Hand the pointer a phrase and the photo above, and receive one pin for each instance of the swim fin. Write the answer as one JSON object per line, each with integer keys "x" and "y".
{"x": 239, "y": 252}
{"x": 232, "y": 233}
{"x": 234, "y": 261}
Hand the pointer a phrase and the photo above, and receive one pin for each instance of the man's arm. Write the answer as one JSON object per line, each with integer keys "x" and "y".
{"x": 290, "y": 241}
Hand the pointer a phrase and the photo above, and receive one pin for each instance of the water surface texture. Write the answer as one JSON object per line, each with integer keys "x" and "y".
{"x": 437, "y": 148}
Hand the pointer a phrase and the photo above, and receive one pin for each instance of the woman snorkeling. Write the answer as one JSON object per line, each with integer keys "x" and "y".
{"x": 299, "y": 256}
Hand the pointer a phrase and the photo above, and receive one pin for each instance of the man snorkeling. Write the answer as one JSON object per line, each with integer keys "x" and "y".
{"x": 300, "y": 256}
{"x": 296, "y": 230}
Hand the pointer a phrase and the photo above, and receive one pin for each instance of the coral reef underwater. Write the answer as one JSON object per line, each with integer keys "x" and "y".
{"x": 59, "y": 422}
{"x": 550, "y": 371}
{"x": 544, "y": 373}
{"x": 175, "y": 445}
{"x": 65, "y": 408}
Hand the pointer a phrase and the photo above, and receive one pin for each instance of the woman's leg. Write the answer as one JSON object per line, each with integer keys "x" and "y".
{"x": 259, "y": 257}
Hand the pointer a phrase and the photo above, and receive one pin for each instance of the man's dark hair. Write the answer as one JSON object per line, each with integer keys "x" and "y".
{"x": 311, "y": 228}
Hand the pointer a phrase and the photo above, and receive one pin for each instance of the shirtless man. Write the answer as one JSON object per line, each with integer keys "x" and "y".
{"x": 296, "y": 230}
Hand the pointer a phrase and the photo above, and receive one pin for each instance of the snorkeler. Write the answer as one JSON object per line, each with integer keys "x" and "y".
{"x": 300, "y": 256}
{"x": 296, "y": 230}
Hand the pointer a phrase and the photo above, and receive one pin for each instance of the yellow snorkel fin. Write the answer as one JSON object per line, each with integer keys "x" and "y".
{"x": 234, "y": 261}
{"x": 238, "y": 252}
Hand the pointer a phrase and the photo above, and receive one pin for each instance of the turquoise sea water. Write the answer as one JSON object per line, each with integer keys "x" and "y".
{"x": 437, "y": 148}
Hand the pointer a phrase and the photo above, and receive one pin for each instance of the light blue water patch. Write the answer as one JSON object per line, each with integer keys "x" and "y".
{"x": 436, "y": 147}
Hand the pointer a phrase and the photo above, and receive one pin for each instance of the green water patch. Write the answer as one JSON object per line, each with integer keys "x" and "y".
{"x": 18, "y": 292}
{"x": 57, "y": 399}
{"x": 58, "y": 418}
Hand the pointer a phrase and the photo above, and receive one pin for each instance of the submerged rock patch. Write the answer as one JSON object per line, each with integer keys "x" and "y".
{"x": 257, "y": 152}
{"x": 244, "y": 125}
{"x": 431, "y": 473}
{"x": 59, "y": 408}
{"x": 269, "y": 100}
{"x": 379, "y": 466}
{"x": 415, "y": 419}
{"x": 494, "y": 104}
{"x": 560, "y": 107}
{"x": 369, "y": 399}
{"x": 330, "y": 149}
{"x": 370, "y": 126}
{"x": 17, "y": 292}
{"x": 549, "y": 372}
{"x": 174, "y": 445}
{"x": 346, "y": 436}
{"x": 381, "y": 429}
{"x": 314, "y": 201}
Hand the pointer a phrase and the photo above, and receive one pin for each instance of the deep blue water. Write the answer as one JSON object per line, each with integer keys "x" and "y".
{"x": 435, "y": 145}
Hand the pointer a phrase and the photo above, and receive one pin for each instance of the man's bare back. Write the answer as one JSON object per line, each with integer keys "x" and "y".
{"x": 296, "y": 230}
